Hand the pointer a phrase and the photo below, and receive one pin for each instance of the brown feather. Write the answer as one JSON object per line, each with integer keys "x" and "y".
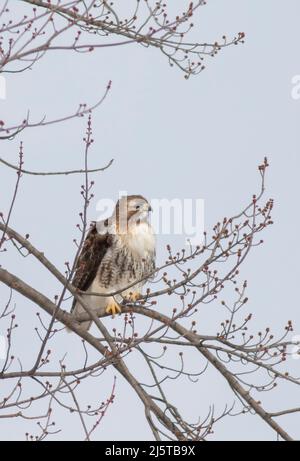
{"x": 88, "y": 262}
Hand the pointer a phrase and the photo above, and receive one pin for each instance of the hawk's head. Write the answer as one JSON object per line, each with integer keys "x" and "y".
{"x": 132, "y": 209}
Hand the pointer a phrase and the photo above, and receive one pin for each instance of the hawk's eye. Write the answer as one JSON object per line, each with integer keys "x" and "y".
{"x": 137, "y": 207}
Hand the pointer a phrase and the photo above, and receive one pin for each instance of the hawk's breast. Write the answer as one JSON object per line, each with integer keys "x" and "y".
{"x": 130, "y": 258}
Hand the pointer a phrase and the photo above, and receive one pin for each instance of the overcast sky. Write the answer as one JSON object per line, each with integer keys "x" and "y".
{"x": 170, "y": 138}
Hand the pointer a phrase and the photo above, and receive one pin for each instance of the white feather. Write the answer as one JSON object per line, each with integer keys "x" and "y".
{"x": 141, "y": 239}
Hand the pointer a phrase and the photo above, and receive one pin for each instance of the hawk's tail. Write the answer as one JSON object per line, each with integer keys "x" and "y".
{"x": 77, "y": 309}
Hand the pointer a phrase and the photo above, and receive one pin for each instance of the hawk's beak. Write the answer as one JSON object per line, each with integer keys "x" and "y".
{"x": 150, "y": 208}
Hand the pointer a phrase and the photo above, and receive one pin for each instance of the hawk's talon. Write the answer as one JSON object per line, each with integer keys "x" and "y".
{"x": 133, "y": 297}
{"x": 113, "y": 308}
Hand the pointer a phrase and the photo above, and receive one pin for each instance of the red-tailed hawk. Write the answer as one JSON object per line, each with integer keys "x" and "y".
{"x": 116, "y": 253}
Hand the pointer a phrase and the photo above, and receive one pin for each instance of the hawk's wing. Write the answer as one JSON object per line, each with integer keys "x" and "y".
{"x": 92, "y": 253}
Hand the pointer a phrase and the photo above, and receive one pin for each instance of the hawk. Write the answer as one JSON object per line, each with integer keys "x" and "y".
{"x": 116, "y": 253}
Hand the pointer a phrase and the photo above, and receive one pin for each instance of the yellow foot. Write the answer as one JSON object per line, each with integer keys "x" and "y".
{"x": 133, "y": 297}
{"x": 113, "y": 308}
